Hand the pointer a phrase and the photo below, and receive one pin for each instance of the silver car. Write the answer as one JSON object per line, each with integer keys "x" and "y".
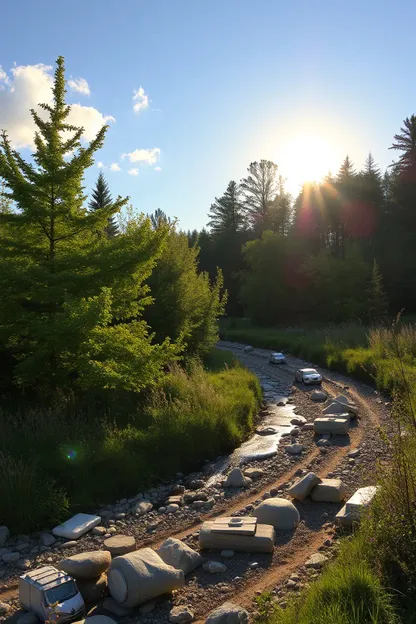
{"x": 308, "y": 376}
{"x": 277, "y": 358}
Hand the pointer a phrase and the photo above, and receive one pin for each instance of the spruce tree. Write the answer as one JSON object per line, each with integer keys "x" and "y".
{"x": 226, "y": 213}
{"x": 377, "y": 300}
{"x": 101, "y": 198}
{"x": 71, "y": 305}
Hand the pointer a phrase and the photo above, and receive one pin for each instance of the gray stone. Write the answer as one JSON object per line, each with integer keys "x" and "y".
{"x": 142, "y": 507}
{"x": 147, "y": 608}
{"x": 120, "y": 545}
{"x": 228, "y": 613}
{"x": 318, "y": 396}
{"x": 115, "y": 608}
{"x": 4, "y": 608}
{"x": 316, "y": 561}
{"x": 99, "y": 530}
{"x": 86, "y": 565}
{"x": 214, "y": 567}
{"x": 227, "y": 554}
{"x": 329, "y": 491}
{"x": 75, "y": 527}
{"x": 235, "y": 479}
{"x": 323, "y": 442}
{"x": 298, "y": 420}
{"x": 308, "y": 427}
{"x": 11, "y": 557}
{"x": 253, "y": 473}
{"x": 46, "y": 539}
{"x": 278, "y": 512}
{"x": 27, "y": 618}
{"x": 179, "y": 555}
{"x": 337, "y": 426}
{"x": 181, "y": 615}
{"x": 303, "y": 487}
{"x": 69, "y": 544}
{"x": 294, "y": 449}
{"x": 4, "y": 535}
{"x": 161, "y": 510}
{"x": 354, "y": 452}
{"x": 172, "y": 508}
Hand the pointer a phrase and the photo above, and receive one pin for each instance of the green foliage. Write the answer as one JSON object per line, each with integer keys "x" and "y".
{"x": 348, "y": 592}
{"x": 226, "y": 213}
{"x": 70, "y": 312}
{"x": 69, "y": 459}
{"x": 185, "y": 306}
{"x": 377, "y": 300}
{"x": 101, "y": 198}
{"x": 259, "y": 190}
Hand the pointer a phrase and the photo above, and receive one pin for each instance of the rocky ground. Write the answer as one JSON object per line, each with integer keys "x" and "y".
{"x": 178, "y": 508}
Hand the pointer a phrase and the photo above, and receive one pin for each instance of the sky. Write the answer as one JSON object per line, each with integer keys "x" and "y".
{"x": 195, "y": 90}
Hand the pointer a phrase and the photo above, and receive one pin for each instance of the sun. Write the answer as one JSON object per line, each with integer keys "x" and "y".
{"x": 306, "y": 159}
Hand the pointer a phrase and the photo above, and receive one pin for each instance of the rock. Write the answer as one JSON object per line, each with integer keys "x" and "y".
{"x": 88, "y": 565}
{"x": 120, "y": 545}
{"x": 113, "y": 607}
{"x": 196, "y": 484}
{"x": 316, "y": 561}
{"x": 141, "y": 576}
{"x": 69, "y": 544}
{"x": 248, "y": 349}
{"x": 227, "y": 554}
{"x": 329, "y": 491}
{"x": 308, "y": 427}
{"x": 23, "y": 564}
{"x": 278, "y": 512}
{"x": 253, "y": 473}
{"x": 235, "y": 479}
{"x": 76, "y": 526}
{"x": 4, "y": 608}
{"x": 174, "y": 500}
{"x": 99, "y": 530}
{"x": 336, "y": 426}
{"x": 298, "y": 420}
{"x": 179, "y": 555}
{"x": 294, "y": 449}
{"x": 228, "y": 613}
{"x": 46, "y": 539}
{"x": 4, "y": 535}
{"x": 266, "y": 431}
{"x": 354, "y": 452}
{"x": 318, "y": 396}
{"x": 172, "y": 508}
{"x": 93, "y": 590}
{"x": 27, "y": 618}
{"x": 253, "y": 565}
{"x": 323, "y": 442}
{"x": 142, "y": 507}
{"x": 177, "y": 489}
{"x": 344, "y": 401}
{"x": 10, "y": 557}
{"x": 161, "y": 510}
{"x": 214, "y": 567}
{"x": 181, "y": 615}
{"x": 303, "y": 487}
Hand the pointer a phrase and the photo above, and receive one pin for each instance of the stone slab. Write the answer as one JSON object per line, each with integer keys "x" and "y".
{"x": 261, "y": 541}
{"x": 76, "y": 526}
{"x": 329, "y": 491}
{"x": 336, "y": 426}
{"x": 361, "y": 499}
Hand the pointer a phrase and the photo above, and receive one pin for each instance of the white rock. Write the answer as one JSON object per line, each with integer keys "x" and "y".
{"x": 172, "y": 508}
{"x": 87, "y": 565}
{"x": 318, "y": 396}
{"x": 214, "y": 567}
{"x": 46, "y": 539}
{"x": 316, "y": 561}
{"x": 4, "y": 535}
{"x": 235, "y": 479}
{"x": 294, "y": 449}
{"x": 142, "y": 507}
{"x": 181, "y": 615}
{"x": 253, "y": 473}
{"x": 228, "y": 613}
{"x": 76, "y": 526}
{"x": 354, "y": 453}
{"x": 329, "y": 491}
{"x": 279, "y": 512}
{"x": 179, "y": 555}
{"x": 303, "y": 487}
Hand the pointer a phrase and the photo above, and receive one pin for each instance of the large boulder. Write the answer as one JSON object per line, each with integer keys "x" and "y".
{"x": 228, "y": 613}
{"x": 344, "y": 401}
{"x": 303, "y": 487}
{"x": 140, "y": 576}
{"x": 181, "y": 614}
{"x": 88, "y": 565}
{"x": 235, "y": 479}
{"x": 120, "y": 545}
{"x": 319, "y": 396}
{"x": 279, "y": 512}
{"x": 92, "y": 590}
{"x": 180, "y": 556}
{"x": 329, "y": 491}
{"x": 142, "y": 507}
{"x": 294, "y": 449}
{"x": 336, "y": 426}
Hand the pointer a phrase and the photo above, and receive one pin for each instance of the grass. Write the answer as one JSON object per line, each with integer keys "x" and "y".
{"x": 63, "y": 460}
{"x": 347, "y": 592}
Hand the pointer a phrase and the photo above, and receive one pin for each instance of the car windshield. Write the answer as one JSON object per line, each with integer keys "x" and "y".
{"x": 277, "y": 355}
{"x": 310, "y": 371}
{"x": 61, "y": 592}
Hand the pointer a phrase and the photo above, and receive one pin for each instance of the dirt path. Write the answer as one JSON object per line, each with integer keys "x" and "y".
{"x": 248, "y": 575}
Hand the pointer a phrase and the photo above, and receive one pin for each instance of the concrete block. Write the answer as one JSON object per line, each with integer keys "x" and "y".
{"x": 336, "y": 426}
{"x": 329, "y": 491}
{"x": 302, "y": 488}
{"x": 257, "y": 538}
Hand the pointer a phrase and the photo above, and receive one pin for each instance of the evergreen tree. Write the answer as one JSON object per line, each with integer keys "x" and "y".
{"x": 70, "y": 311}
{"x": 101, "y": 198}
{"x": 226, "y": 213}
{"x": 159, "y": 219}
{"x": 406, "y": 144}
{"x": 377, "y": 300}
{"x": 4, "y": 200}
{"x": 259, "y": 190}
{"x": 280, "y": 212}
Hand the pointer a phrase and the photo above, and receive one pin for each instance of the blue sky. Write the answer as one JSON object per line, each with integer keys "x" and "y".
{"x": 226, "y": 81}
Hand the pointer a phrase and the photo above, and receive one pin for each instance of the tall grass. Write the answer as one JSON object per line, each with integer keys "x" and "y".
{"x": 59, "y": 460}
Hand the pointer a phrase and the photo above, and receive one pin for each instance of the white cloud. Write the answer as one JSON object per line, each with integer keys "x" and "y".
{"x": 134, "y": 171}
{"x": 26, "y": 87}
{"x": 3, "y": 77}
{"x": 80, "y": 85}
{"x": 141, "y": 100}
{"x": 115, "y": 167}
{"x": 100, "y": 165}
{"x": 149, "y": 156}
{"x": 158, "y": 168}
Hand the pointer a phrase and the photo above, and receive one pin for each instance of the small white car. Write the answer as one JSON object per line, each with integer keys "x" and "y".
{"x": 277, "y": 358}
{"x": 308, "y": 376}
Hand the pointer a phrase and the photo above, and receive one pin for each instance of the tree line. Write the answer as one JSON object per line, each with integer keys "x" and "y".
{"x": 343, "y": 249}
{"x": 89, "y": 303}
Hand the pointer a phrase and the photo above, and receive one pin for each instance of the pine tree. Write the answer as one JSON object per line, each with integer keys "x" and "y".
{"x": 259, "y": 189}
{"x": 71, "y": 305}
{"x": 377, "y": 300}
{"x": 159, "y": 219}
{"x": 226, "y": 213}
{"x": 101, "y": 198}
{"x": 4, "y": 200}
{"x": 406, "y": 143}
